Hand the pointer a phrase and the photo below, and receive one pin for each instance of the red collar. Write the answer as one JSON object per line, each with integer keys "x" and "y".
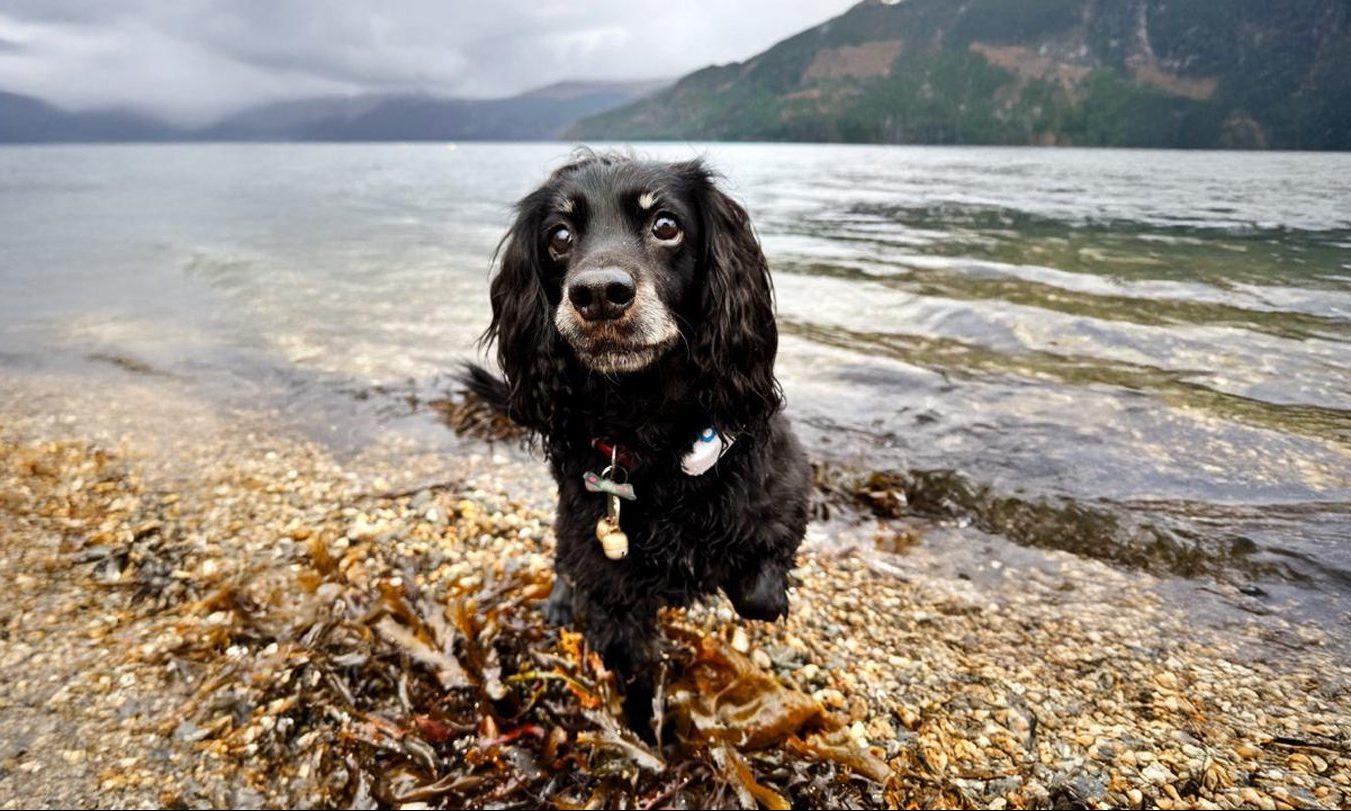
{"x": 612, "y": 450}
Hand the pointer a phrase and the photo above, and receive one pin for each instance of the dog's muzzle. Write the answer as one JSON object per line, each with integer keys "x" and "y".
{"x": 603, "y": 294}
{"x": 614, "y": 322}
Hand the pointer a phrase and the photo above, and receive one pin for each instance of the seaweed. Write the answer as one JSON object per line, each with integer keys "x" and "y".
{"x": 345, "y": 680}
{"x": 469, "y": 415}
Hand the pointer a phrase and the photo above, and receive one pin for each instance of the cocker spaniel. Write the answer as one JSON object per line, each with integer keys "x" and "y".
{"x": 634, "y": 321}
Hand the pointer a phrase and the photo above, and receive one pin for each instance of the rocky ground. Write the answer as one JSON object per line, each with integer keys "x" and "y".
{"x": 209, "y": 609}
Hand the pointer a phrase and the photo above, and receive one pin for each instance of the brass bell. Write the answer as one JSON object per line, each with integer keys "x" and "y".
{"x": 612, "y": 540}
{"x": 615, "y": 545}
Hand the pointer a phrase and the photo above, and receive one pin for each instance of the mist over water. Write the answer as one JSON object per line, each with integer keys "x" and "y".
{"x": 1142, "y": 356}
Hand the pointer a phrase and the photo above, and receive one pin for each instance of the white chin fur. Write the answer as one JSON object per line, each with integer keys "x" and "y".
{"x": 629, "y": 360}
{"x": 645, "y": 335}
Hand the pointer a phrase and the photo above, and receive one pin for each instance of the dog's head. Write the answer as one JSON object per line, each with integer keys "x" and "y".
{"x": 619, "y": 263}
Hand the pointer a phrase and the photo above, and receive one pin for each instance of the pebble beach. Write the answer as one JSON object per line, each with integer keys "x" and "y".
{"x": 210, "y": 608}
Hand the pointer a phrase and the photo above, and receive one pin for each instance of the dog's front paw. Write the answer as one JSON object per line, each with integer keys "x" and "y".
{"x": 559, "y": 609}
{"x": 761, "y": 595}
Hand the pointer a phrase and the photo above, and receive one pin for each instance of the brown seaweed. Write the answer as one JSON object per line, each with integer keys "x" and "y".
{"x": 387, "y": 694}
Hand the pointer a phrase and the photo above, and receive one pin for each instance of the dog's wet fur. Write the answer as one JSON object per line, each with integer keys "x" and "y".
{"x": 694, "y": 347}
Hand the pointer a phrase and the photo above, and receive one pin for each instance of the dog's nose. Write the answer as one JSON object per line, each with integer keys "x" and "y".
{"x": 601, "y": 294}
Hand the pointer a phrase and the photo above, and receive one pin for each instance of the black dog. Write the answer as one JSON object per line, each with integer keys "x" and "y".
{"x": 634, "y": 320}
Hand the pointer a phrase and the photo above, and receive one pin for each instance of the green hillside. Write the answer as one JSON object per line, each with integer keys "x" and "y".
{"x": 1162, "y": 73}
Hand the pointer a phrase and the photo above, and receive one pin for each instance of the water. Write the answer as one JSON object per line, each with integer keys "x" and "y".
{"x": 1142, "y": 356}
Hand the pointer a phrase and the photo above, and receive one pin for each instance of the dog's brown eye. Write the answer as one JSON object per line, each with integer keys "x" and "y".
{"x": 665, "y": 228}
{"x": 560, "y": 241}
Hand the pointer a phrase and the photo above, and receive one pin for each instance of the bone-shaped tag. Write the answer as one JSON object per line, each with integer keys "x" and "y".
{"x": 595, "y": 483}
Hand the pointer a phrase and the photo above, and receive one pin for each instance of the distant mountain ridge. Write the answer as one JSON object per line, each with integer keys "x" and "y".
{"x": 1159, "y": 73}
{"x": 24, "y": 119}
{"x": 539, "y": 114}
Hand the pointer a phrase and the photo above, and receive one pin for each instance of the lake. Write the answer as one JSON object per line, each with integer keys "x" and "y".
{"x": 1135, "y": 355}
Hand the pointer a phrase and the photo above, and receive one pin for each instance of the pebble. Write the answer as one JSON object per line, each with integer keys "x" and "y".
{"x": 834, "y": 699}
{"x": 1157, "y": 774}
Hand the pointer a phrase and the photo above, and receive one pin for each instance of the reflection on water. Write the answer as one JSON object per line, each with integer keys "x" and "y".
{"x": 1141, "y": 356}
{"x": 1178, "y": 388}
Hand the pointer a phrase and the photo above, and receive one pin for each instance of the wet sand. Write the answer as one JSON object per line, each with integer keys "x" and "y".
{"x": 211, "y": 609}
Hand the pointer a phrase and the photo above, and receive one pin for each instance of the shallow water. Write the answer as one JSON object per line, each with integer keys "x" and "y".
{"x": 1135, "y": 355}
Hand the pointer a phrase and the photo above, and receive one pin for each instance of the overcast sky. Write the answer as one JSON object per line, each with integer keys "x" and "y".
{"x": 194, "y": 60}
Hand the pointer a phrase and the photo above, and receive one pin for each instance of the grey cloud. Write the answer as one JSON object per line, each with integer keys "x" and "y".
{"x": 197, "y": 59}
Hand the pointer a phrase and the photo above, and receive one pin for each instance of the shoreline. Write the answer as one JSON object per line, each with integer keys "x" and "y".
{"x": 179, "y": 569}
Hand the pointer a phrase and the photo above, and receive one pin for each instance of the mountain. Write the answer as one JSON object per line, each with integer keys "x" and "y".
{"x": 540, "y": 114}
{"x": 1159, "y": 73}
{"x": 24, "y": 119}
{"x": 573, "y": 90}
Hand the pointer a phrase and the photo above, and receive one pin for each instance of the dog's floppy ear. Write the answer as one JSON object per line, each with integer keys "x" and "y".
{"x": 734, "y": 337}
{"x": 521, "y": 326}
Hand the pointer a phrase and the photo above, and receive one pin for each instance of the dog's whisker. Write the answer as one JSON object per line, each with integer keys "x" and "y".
{"x": 681, "y": 334}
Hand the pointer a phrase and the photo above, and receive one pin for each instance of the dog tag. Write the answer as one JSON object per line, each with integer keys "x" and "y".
{"x": 602, "y": 483}
{"x": 707, "y": 450}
